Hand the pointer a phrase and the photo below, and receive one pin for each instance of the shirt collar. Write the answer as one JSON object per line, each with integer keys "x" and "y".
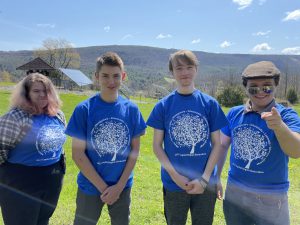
{"x": 248, "y": 107}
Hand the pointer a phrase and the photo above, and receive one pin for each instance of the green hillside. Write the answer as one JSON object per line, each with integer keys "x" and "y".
{"x": 149, "y": 65}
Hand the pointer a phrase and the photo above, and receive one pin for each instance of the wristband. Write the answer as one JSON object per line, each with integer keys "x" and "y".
{"x": 202, "y": 179}
{"x": 203, "y": 182}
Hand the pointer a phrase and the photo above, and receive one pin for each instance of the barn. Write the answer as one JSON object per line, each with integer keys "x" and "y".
{"x": 61, "y": 77}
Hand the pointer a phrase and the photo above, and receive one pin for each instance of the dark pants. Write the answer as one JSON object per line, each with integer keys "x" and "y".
{"x": 89, "y": 209}
{"x": 29, "y": 195}
{"x": 202, "y": 206}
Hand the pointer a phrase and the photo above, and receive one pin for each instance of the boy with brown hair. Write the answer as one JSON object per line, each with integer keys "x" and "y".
{"x": 105, "y": 131}
{"x": 186, "y": 141}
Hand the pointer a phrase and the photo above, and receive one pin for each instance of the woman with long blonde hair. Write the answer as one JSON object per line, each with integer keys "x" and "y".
{"x": 31, "y": 155}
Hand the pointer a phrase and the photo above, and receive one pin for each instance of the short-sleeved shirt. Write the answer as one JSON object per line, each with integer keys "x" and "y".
{"x": 43, "y": 143}
{"x": 257, "y": 162}
{"x": 187, "y": 121}
{"x": 108, "y": 129}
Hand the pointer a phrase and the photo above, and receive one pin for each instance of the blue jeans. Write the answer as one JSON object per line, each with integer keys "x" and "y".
{"x": 249, "y": 208}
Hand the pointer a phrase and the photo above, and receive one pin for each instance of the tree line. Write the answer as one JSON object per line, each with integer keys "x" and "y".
{"x": 152, "y": 79}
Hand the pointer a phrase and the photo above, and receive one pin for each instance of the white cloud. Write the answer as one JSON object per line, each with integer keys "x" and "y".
{"x": 261, "y": 33}
{"x": 261, "y": 47}
{"x": 225, "y": 44}
{"x": 163, "y": 36}
{"x": 242, "y": 3}
{"x": 106, "y": 28}
{"x": 196, "y": 41}
{"x": 295, "y": 15}
{"x": 127, "y": 36}
{"x": 291, "y": 51}
{"x": 261, "y": 2}
{"x": 46, "y": 25}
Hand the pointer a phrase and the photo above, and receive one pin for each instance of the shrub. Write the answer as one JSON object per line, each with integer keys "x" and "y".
{"x": 292, "y": 96}
{"x": 231, "y": 96}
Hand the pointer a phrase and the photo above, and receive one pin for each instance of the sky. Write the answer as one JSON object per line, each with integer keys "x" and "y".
{"x": 217, "y": 26}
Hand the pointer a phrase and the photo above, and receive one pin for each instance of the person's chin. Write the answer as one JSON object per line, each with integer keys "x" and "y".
{"x": 43, "y": 106}
{"x": 262, "y": 102}
{"x": 186, "y": 84}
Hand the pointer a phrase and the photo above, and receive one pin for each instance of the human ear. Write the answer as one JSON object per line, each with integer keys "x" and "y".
{"x": 96, "y": 76}
{"x": 124, "y": 74}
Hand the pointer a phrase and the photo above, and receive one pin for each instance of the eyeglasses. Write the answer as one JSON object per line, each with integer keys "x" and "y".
{"x": 265, "y": 89}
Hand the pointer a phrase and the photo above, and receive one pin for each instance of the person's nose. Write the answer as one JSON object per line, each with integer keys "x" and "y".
{"x": 43, "y": 93}
{"x": 184, "y": 71}
{"x": 111, "y": 81}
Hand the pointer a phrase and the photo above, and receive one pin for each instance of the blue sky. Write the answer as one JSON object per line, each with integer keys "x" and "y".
{"x": 220, "y": 26}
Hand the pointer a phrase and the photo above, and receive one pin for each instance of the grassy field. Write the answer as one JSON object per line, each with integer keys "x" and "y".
{"x": 147, "y": 204}
{"x": 7, "y": 84}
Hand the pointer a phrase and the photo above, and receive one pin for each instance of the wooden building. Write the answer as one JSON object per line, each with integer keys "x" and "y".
{"x": 61, "y": 77}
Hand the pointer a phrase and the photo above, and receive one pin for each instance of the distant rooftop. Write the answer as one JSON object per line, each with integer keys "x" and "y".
{"x": 39, "y": 65}
{"x": 77, "y": 76}
{"x": 36, "y": 64}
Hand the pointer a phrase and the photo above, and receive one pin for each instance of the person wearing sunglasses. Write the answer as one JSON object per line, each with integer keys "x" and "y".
{"x": 263, "y": 135}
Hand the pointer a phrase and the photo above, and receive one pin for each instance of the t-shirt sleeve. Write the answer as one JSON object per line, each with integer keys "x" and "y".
{"x": 140, "y": 125}
{"x": 291, "y": 119}
{"x": 226, "y": 130}
{"x": 77, "y": 126}
{"x": 217, "y": 118}
{"x": 156, "y": 118}
{"x": 10, "y": 130}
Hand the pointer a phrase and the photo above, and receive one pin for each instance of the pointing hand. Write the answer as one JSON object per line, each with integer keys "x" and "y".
{"x": 273, "y": 119}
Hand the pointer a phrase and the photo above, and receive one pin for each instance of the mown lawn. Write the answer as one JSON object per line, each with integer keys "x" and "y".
{"x": 147, "y": 204}
{"x": 7, "y": 84}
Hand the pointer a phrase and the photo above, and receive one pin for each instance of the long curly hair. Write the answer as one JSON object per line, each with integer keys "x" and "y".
{"x": 20, "y": 95}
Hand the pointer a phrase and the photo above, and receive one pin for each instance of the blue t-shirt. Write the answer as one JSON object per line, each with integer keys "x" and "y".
{"x": 108, "y": 129}
{"x": 257, "y": 162}
{"x": 187, "y": 121}
{"x": 42, "y": 145}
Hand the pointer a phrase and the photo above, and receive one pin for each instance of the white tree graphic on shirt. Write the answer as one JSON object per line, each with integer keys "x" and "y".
{"x": 50, "y": 139}
{"x": 189, "y": 128}
{"x": 110, "y": 136}
{"x": 250, "y": 143}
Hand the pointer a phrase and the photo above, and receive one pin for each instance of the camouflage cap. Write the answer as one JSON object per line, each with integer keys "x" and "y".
{"x": 262, "y": 69}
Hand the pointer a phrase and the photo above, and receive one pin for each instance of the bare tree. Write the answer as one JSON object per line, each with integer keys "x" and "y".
{"x": 5, "y": 76}
{"x": 58, "y": 53}
{"x": 286, "y": 77}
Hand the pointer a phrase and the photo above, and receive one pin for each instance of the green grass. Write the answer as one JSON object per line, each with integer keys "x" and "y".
{"x": 147, "y": 203}
{"x": 3, "y": 84}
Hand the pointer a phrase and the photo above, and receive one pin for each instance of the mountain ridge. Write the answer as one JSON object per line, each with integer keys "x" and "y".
{"x": 146, "y": 65}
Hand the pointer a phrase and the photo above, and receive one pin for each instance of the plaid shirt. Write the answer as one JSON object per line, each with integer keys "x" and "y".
{"x": 13, "y": 128}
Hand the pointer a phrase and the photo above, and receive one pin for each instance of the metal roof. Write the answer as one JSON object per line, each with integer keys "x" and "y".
{"x": 77, "y": 76}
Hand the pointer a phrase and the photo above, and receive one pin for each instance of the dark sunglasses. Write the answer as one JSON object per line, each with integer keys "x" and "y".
{"x": 265, "y": 89}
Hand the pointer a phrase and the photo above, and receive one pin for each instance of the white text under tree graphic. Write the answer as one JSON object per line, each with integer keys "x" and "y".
{"x": 250, "y": 143}
{"x": 188, "y": 129}
{"x": 110, "y": 135}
